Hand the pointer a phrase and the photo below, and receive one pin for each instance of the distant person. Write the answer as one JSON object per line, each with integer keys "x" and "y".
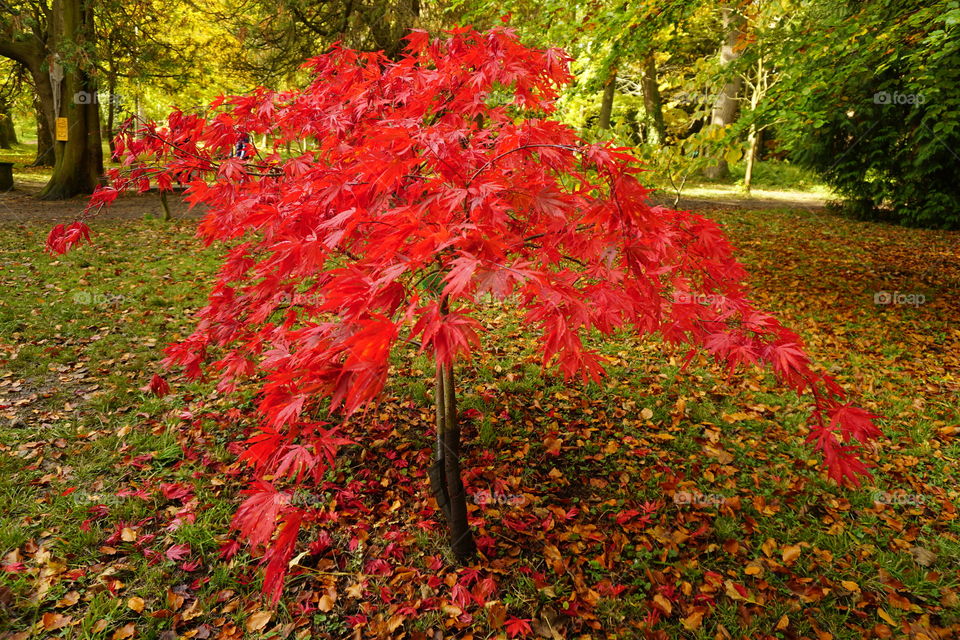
{"x": 240, "y": 151}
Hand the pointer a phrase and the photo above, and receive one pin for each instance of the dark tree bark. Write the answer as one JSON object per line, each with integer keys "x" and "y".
{"x": 8, "y": 134}
{"x": 652, "y": 103}
{"x": 606, "y": 103}
{"x": 445, "y": 475}
{"x": 63, "y": 25}
{"x": 46, "y": 156}
{"x": 79, "y": 163}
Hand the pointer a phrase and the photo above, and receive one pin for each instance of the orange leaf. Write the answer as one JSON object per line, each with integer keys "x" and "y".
{"x": 692, "y": 621}
{"x": 790, "y": 554}
{"x": 258, "y": 620}
{"x": 663, "y": 604}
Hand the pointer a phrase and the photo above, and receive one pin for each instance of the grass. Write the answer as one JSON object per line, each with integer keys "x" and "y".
{"x": 89, "y": 462}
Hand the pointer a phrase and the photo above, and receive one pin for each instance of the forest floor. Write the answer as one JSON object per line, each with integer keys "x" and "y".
{"x": 662, "y": 503}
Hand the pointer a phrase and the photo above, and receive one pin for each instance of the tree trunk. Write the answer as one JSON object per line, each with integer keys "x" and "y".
{"x": 759, "y": 90}
{"x": 445, "y": 477}
{"x": 752, "y": 139}
{"x": 111, "y": 113}
{"x": 445, "y": 480}
{"x": 724, "y": 110}
{"x": 606, "y": 104}
{"x": 79, "y": 162}
{"x": 8, "y": 135}
{"x": 45, "y": 152}
{"x": 165, "y": 206}
{"x": 652, "y": 103}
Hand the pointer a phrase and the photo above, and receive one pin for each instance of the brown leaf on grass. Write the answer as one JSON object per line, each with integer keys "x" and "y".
{"x": 54, "y": 621}
{"x": 923, "y": 557}
{"x": 553, "y": 445}
{"x": 136, "y": 603}
{"x": 124, "y": 632}
{"x": 258, "y": 620}
{"x": 663, "y": 604}
{"x": 722, "y": 456}
{"x": 496, "y": 614}
{"x": 693, "y": 621}
{"x": 789, "y": 554}
{"x": 325, "y": 603}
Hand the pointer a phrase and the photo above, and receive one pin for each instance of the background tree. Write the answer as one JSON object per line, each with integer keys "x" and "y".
{"x": 277, "y": 37}
{"x": 726, "y": 105}
{"x": 55, "y": 42}
{"x": 868, "y": 97}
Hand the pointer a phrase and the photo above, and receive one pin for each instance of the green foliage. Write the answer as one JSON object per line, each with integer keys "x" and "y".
{"x": 868, "y": 98}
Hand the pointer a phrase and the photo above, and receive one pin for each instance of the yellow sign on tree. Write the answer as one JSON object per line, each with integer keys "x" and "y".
{"x": 62, "y": 130}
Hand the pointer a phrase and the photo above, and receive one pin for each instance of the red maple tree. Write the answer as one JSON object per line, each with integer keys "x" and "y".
{"x": 418, "y": 187}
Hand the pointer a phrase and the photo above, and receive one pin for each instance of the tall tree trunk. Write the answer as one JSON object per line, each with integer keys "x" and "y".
{"x": 759, "y": 89}
{"x": 606, "y": 103}
{"x": 46, "y": 156}
{"x": 445, "y": 480}
{"x": 8, "y": 134}
{"x": 79, "y": 163}
{"x": 445, "y": 477}
{"x": 725, "y": 108}
{"x": 652, "y": 103}
{"x": 753, "y": 138}
{"x": 111, "y": 113}
{"x": 112, "y": 94}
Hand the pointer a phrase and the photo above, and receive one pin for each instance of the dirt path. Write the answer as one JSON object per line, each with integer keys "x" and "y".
{"x": 22, "y": 206}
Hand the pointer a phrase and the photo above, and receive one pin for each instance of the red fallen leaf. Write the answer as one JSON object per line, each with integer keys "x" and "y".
{"x": 177, "y": 552}
{"x": 175, "y": 491}
{"x": 229, "y": 549}
{"x": 191, "y": 566}
{"x": 158, "y": 386}
{"x": 461, "y": 596}
{"x": 14, "y": 567}
{"x": 518, "y": 626}
{"x": 483, "y": 590}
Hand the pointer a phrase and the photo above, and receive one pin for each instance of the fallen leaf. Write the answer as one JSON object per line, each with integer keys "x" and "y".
{"x": 692, "y": 622}
{"x": 54, "y": 621}
{"x": 326, "y": 603}
{"x": 258, "y": 620}
{"x": 663, "y": 604}
{"x": 136, "y": 603}
{"x": 790, "y": 554}
{"x": 923, "y": 557}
